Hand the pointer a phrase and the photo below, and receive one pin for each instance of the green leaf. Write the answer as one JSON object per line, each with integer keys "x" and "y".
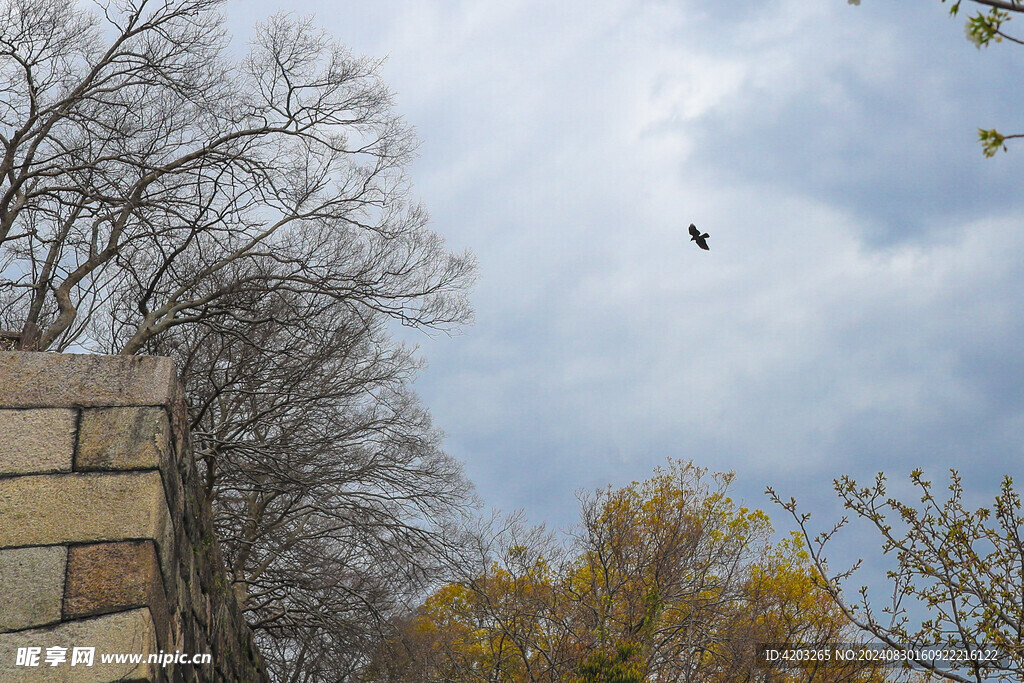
{"x": 991, "y": 142}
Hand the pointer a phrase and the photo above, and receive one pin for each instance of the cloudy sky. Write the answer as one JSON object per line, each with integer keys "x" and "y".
{"x": 861, "y": 308}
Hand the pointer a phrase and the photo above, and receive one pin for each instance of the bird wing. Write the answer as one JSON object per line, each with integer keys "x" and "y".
{"x": 701, "y": 243}
{"x": 694, "y": 231}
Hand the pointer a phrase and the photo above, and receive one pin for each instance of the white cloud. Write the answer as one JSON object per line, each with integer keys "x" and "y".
{"x": 569, "y": 145}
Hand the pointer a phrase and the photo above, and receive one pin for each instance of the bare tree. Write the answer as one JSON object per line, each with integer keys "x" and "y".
{"x": 330, "y": 493}
{"x": 138, "y": 158}
{"x": 251, "y": 219}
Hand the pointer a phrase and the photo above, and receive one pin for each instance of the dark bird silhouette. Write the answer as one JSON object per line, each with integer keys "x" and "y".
{"x": 699, "y": 238}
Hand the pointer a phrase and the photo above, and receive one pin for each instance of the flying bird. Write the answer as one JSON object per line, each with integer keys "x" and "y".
{"x": 699, "y": 238}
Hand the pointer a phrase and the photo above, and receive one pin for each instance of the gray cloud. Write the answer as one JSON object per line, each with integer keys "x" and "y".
{"x": 859, "y": 309}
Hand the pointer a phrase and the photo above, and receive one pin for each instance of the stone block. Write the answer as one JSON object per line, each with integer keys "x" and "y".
{"x": 134, "y": 563}
{"x": 119, "y": 633}
{"x": 82, "y": 508}
{"x": 114, "y": 577}
{"x": 64, "y": 380}
{"x": 35, "y": 441}
{"x": 31, "y": 583}
{"x": 129, "y": 438}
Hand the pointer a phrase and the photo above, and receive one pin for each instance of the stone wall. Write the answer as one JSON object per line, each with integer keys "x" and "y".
{"x": 104, "y": 542}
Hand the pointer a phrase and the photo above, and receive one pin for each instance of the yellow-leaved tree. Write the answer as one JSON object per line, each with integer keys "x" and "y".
{"x": 662, "y": 580}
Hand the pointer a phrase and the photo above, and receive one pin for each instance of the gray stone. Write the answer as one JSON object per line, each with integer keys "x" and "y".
{"x": 81, "y": 508}
{"x": 119, "y": 633}
{"x": 36, "y": 441}
{"x": 128, "y": 438}
{"x": 63, "y": 380}
{"x": 31, "y": 586}
{"x": 113, "y": 577}
{"x": 135, "y": 560}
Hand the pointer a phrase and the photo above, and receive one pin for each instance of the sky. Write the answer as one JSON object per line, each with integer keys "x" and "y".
{"x": 860, "y": 309}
